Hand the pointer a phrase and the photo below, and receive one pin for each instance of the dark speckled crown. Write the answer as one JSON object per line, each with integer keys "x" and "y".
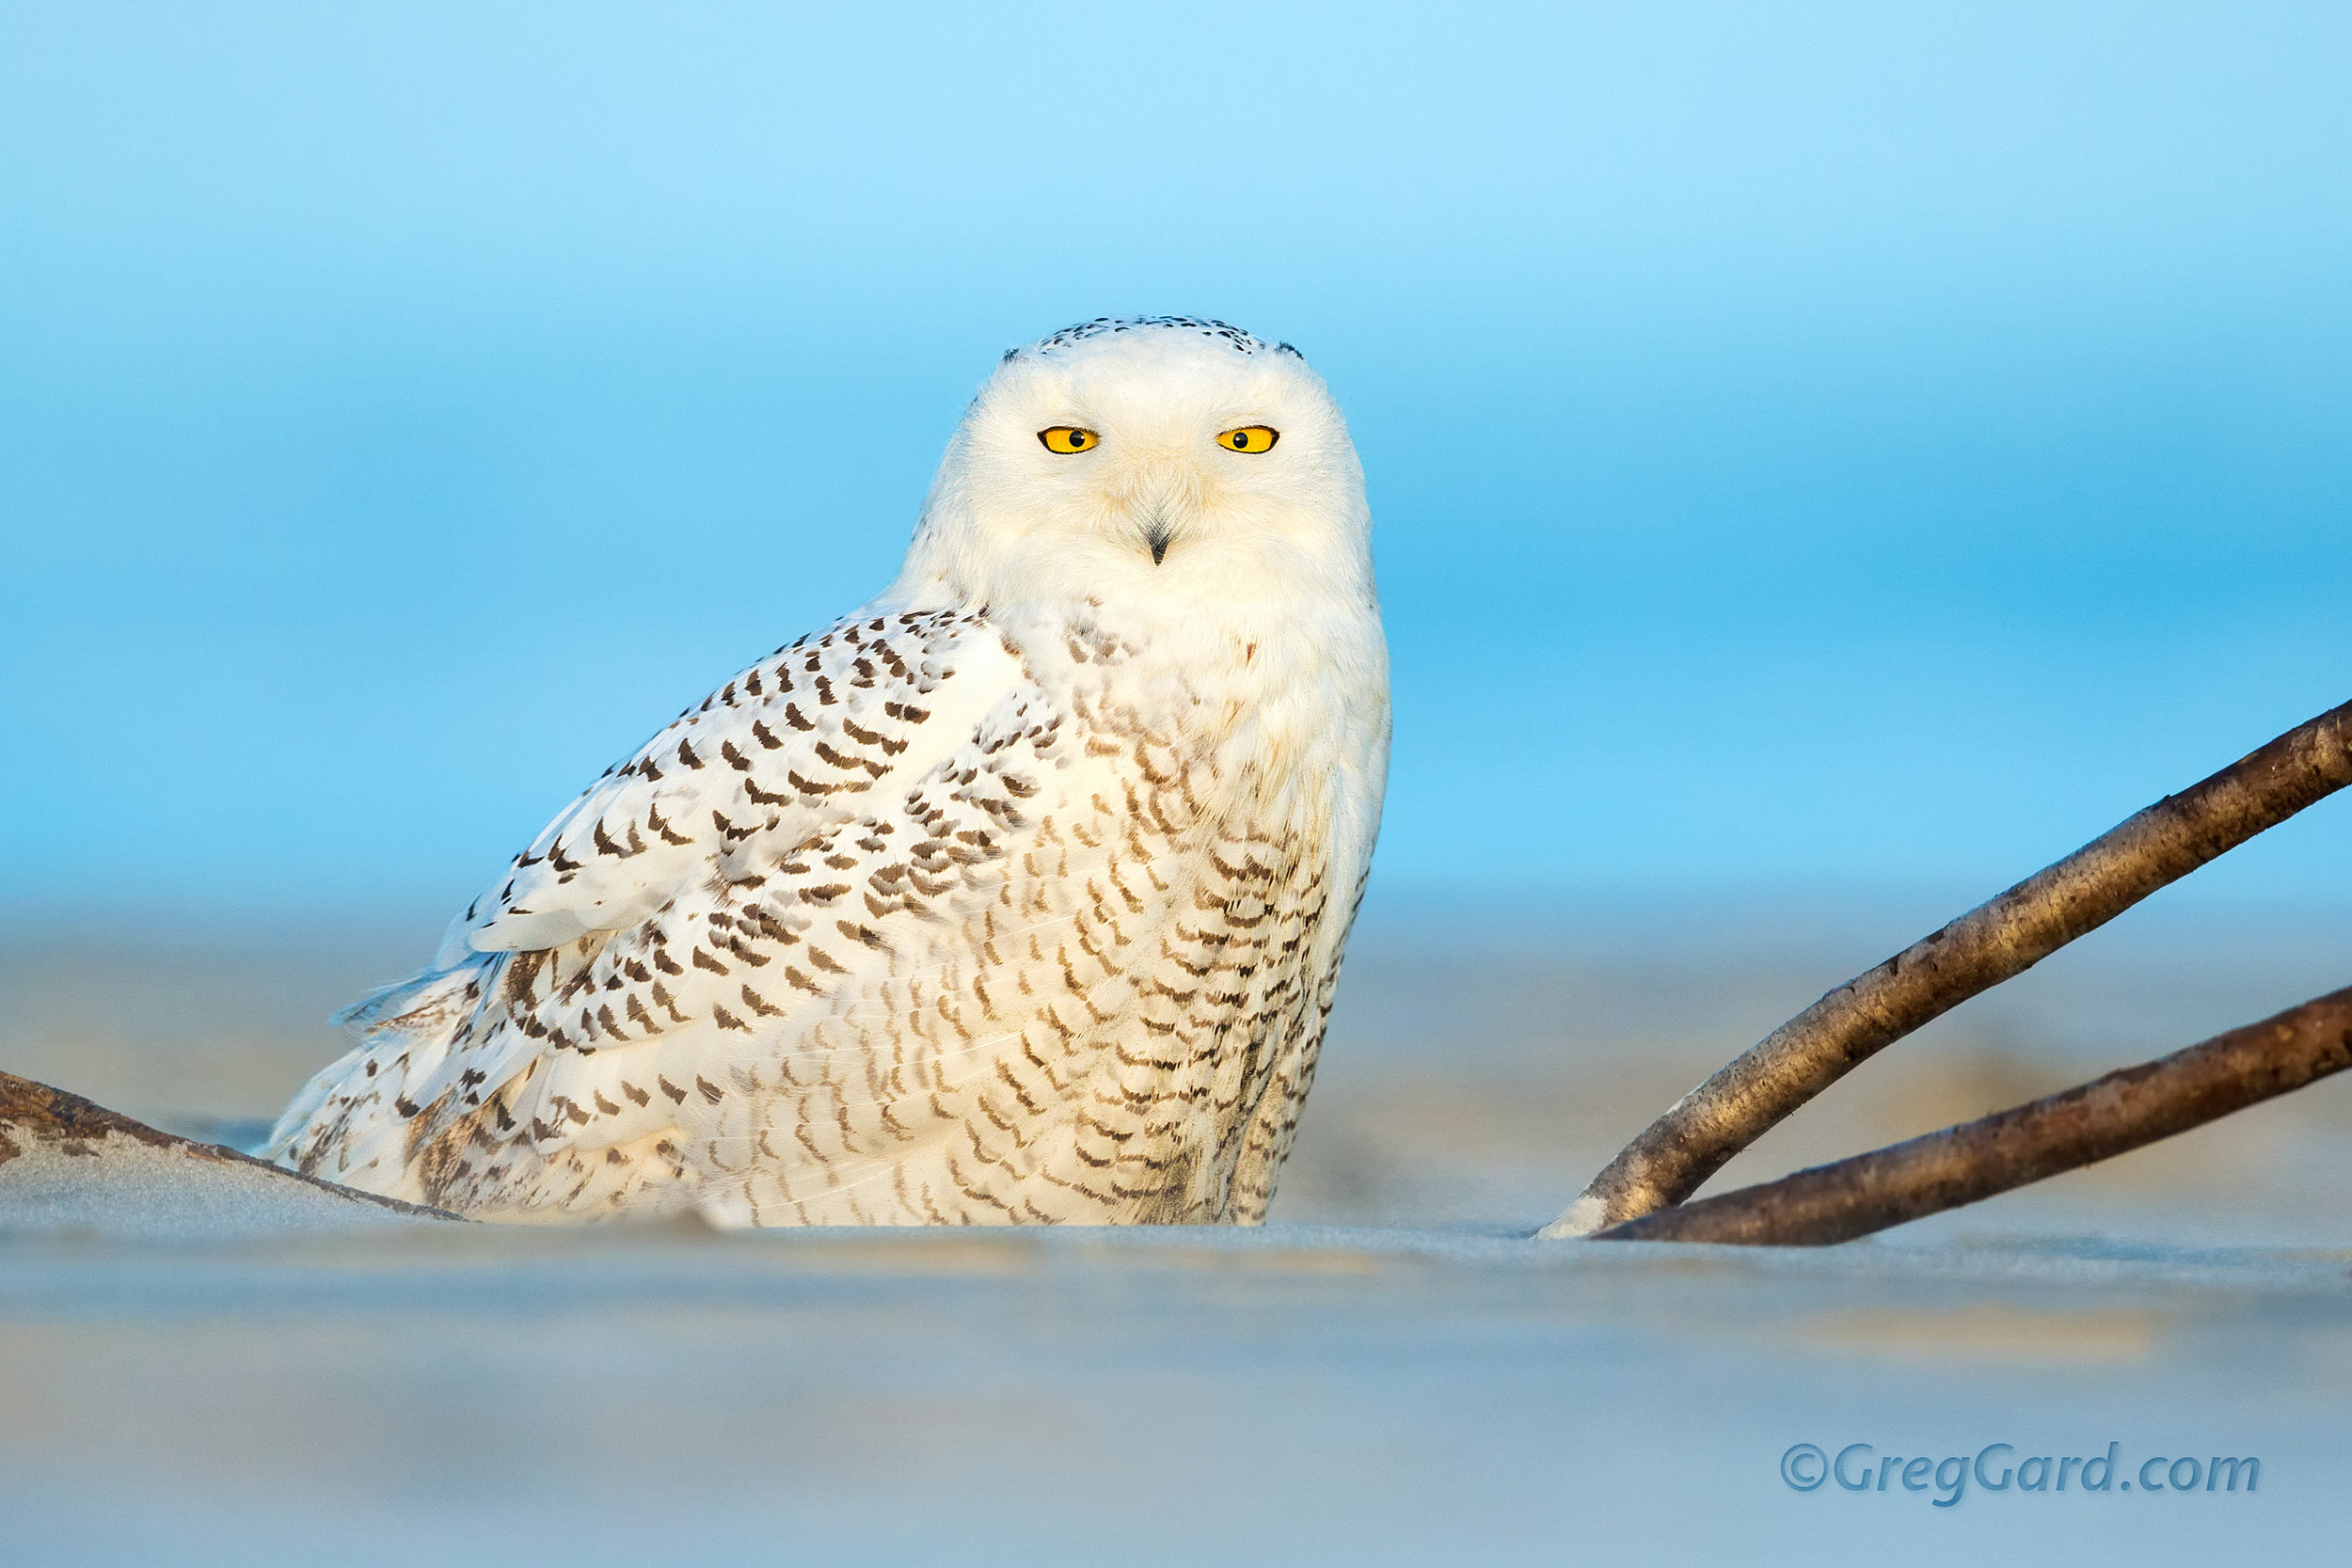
{"x": 1241, "y": 342}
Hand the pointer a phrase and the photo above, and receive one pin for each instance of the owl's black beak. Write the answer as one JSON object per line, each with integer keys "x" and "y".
{"x": 1156, "y": 533}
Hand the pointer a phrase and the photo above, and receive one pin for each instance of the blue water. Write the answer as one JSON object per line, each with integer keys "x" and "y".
{"x": 1817, "y": 443}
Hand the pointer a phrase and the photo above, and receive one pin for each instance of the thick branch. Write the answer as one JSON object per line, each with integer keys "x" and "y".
{"x": 33, "y": 1116}
{"x": 1989, "y": 945}
{"x": 1961, "y": 1164}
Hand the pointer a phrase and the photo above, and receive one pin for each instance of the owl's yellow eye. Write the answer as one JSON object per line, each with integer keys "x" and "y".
{"x": 1067, "y": 438}
{"x": 1249, "y": 437}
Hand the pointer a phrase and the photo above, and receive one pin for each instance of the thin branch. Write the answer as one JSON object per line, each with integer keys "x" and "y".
{"x": 1990, "y": 943}
{"x": 1961, "y": 1164}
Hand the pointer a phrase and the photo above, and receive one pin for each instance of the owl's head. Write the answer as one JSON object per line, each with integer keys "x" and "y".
{"x": 1146, "y": 459}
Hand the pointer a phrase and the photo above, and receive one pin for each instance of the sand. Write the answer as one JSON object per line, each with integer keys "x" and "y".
{"x": 209, "y": 1365}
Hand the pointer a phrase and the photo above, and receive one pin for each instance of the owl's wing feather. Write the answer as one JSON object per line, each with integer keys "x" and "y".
{"x": 782, "y": 752}
{"x": 801, "y": 742}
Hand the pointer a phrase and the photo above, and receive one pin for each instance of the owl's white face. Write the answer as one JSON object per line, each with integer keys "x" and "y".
{"x": 1174, "y": 462}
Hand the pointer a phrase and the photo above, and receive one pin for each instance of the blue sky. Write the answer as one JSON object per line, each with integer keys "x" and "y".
{"x": 1825, "y": 444}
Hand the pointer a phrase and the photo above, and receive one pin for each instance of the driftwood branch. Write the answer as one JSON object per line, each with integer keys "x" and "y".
{"x": 1977, "y": 1160}
{"x": 36, "y": 1118}
{"x": 1990, "y": 943}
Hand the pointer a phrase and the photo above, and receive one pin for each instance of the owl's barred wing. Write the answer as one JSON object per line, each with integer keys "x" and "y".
{"x": 783, "y": 751}
{"x": 801, "y": 743}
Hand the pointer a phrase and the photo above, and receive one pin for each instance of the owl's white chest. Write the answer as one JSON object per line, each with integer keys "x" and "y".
{"x": 1163, "y": 951}
{"x": 1287, "y": 710}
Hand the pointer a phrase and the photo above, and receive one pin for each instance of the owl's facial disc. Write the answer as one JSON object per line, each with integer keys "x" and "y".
{"x": 1154, "y": 443}
{"x": 1156, "y": 495}
{"x": 1159, "y": 458}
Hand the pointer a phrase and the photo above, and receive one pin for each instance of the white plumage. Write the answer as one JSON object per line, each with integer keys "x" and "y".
{"x": 1018, "y": 895}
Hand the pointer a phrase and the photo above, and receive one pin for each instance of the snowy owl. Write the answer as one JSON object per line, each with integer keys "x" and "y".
{"x": 1015, "y": 896}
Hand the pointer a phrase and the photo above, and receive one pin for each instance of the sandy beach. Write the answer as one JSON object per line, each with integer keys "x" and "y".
{"x": 1388, "y": 1372}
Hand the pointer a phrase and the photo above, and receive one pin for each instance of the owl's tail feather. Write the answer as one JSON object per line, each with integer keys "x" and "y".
{"x": 417, "y": 1016}
{"x": 420, "y": 1004}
